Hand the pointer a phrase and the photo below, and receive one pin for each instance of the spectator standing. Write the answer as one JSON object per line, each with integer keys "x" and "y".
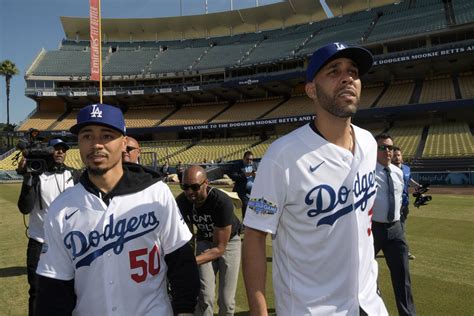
{"x": 116, "y": 240}
{"x": 397, "y": 160}
{"x": 386, "y": 226}
{"x": 38, "y": 191}
{"x": 314, "y": 191}
{"x": 165, "y": 170}
{"x": 218, "y": 245}
{"x": 180, "y": 170}
{"x": 244, "y": 175}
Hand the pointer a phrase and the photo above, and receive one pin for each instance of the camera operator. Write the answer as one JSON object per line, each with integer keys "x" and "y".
{"x": 39, "y": 189}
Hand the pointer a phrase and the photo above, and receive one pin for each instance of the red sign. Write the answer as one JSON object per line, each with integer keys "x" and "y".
{"x": 94, "y": 26}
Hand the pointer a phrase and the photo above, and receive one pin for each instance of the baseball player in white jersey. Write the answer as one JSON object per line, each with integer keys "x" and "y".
{"x": 314, "y": 192}
{"x": 117, "y": 238}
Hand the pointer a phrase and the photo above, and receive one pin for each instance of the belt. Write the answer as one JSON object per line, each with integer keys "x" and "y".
{"x": 374, "y": 223}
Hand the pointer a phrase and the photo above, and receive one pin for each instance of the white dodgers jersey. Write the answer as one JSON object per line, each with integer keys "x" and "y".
{"x": 316, "y": 199}
{"x": 114, "y": 253}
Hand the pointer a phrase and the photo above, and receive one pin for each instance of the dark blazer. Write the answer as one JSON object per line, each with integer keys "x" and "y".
{"x": 238, "y": 175}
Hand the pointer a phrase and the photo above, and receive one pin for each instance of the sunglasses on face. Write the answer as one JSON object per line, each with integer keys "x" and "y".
{"x": 385, "y": 147}
{"x": 130, "y": 148}
{"x": 194, "y": 186}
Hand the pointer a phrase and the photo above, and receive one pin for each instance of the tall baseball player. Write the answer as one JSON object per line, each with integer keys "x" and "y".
{"x": 314, "y": 192}
{"x": 117, "y": 238}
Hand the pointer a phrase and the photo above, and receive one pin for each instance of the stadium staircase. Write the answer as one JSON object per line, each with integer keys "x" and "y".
{"x": 273, "y": 108}
{"x": 415, "y": 96}
{"x": 176, "y": 109}
{"x": 421, "y": 145}
{"x": 366, "y": 34}
{"x": 385, "y": 88}
{"x": 197, "y": 60}
{"x": 247, "y": 54}
{"x": 457, "y": 89}
{"x": 60, "y": 118}
{"x": 220, "y": 112}
{"x": 449, "y": 12}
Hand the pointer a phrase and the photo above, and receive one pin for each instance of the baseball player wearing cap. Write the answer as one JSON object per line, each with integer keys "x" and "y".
{"x": 37, "y": 193}
{"x": 117, "y": 238}
{"x": 314, "y": 192}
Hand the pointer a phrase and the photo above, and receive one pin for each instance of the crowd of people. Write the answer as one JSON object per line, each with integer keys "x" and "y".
{"x": 114, "y": 239}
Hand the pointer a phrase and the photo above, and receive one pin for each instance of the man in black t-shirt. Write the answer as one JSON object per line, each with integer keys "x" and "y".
{"x": 217, "y": 239}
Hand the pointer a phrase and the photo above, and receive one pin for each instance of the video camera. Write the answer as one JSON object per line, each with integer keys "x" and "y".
{"x": 420, "y": 198}
{"x": 38, "y": 155}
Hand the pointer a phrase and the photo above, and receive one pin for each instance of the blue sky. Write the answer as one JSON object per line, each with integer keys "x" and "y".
{"x": 26, "y": 26}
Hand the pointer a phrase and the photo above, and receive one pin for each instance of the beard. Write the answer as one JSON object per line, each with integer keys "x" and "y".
{"x": 97, "y": 171}
{"x": 101, "y": 170}
{"x": 332, "y": 105}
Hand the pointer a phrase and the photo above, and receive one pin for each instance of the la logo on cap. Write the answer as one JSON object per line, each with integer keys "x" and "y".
{"x": 96, "y": 112}
{"x": 340, "y": 46}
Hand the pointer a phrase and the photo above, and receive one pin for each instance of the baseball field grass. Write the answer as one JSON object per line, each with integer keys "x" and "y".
{"x": 440, "y": 235}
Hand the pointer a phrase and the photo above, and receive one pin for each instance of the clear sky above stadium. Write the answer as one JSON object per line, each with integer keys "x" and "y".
{"x": 26, "y": 26}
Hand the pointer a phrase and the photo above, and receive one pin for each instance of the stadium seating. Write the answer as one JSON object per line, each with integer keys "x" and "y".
{"x": 259, "y": 149}
{"x": 140, "y": 117}
{"x": 398, "y": 93}
{"x": 125, "y": 62}
{"x": 194, "y": 114}
{"x": 41, "y": 120}
{"x": 407, "y": 138}
{"x": 220, "y": 56}
{"x": 215, "y": 149}
{"x": 7, "y": 162}
{"x": 297, "y": 105}
{"x": 245, "y": 111}
{"x": 449, "y": 140}
{"x": 418, "y": 20}
{"x": 63, "y": 63}
{"x": 463, "y": 11}
{"x": 73, "y": 159}
{"x": 67, "y": 122}
{"x": 369, "y": 95}
{"x": 466, "y": 85}
{"x": 175, "y": 60}
{"x": 162, "y": 149}
{"x": 437, "y": 89}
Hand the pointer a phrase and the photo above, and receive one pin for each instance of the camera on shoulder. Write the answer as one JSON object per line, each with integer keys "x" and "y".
{"x": 38, "y": 155}
{"x": 420, "y": 197}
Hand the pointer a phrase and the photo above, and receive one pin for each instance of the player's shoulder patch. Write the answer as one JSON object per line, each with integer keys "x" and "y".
{"x": 262, "y": 206}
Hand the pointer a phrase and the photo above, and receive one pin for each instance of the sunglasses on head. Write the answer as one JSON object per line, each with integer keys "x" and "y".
{"x": 130, "y": 148}
{"x": 194, "y": 186}
{"x": 385, "y": 147}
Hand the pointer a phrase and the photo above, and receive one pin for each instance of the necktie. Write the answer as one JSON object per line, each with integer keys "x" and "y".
{"x": 391, "y": 196}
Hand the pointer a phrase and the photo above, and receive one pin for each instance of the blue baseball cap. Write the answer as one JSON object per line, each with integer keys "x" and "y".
{"x": 100, "y": 114}
{"x": 361, "y": 56}
{"x": 56, "y": 142}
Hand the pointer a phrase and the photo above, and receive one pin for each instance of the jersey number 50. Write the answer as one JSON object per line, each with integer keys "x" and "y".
{"x": 138, "y": 260}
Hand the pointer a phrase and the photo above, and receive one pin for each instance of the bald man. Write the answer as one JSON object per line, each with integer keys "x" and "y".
{"x": 217, "y": 239}
{"x": 132, "y": 151}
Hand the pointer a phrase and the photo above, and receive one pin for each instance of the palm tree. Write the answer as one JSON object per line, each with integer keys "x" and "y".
{"x": 8, "y": 69}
